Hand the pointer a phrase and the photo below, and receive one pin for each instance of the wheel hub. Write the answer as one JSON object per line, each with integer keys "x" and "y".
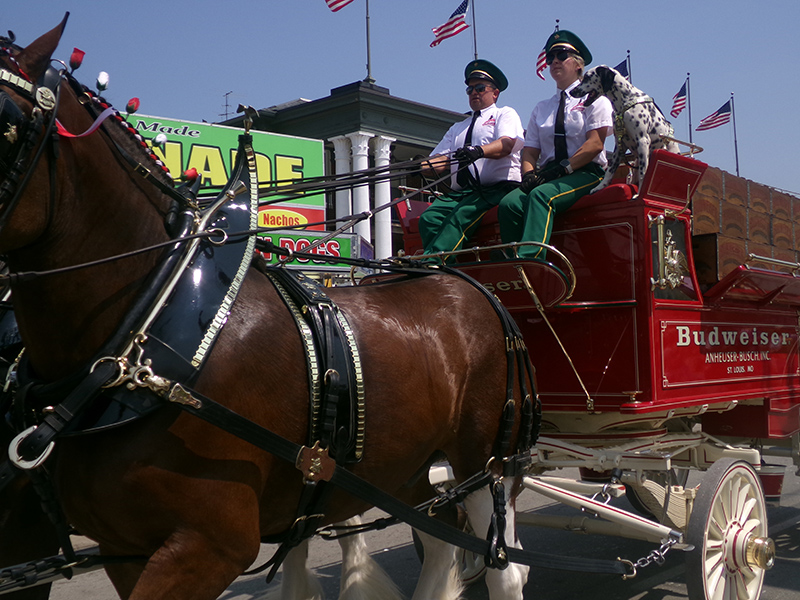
{"x": 761, "y": 552}
{"x": 743, "y": 549}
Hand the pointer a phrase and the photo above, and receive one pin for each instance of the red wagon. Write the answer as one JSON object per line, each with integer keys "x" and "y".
{"x": 655, "y": 355}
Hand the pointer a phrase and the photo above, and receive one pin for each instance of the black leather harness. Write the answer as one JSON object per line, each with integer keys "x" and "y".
{"x": 334, "y": 365}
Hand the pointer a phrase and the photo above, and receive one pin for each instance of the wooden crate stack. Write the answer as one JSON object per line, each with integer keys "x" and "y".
{"x": 733, "y": 217}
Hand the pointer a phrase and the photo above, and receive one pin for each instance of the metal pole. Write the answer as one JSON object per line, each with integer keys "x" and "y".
{"x": 628, "y": 61}
{"x": 369, "y": 78}
{"x": 474, "y": 32}
{"x": 735, "y": 141}
{"x": 689, "y": 106}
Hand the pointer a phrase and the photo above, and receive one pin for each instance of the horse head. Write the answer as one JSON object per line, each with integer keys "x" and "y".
{"x": 22, "y": 126}
{"x": 76, "y": 186}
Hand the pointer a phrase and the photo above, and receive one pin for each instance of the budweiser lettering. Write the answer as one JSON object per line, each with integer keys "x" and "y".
{"x": 731, "y": 337}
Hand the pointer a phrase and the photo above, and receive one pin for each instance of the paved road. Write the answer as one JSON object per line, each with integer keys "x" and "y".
{"x": 393, "y": 550}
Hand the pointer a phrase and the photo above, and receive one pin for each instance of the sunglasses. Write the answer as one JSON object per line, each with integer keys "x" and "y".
{"x": 480, "y": 88}
{"x": 561, "y": 55}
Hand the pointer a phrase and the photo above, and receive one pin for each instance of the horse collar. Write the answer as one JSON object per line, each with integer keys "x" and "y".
{"x": 175, "y": 322}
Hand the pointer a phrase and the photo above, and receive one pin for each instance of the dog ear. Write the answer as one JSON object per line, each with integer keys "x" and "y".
{"x": 606, "y": 77}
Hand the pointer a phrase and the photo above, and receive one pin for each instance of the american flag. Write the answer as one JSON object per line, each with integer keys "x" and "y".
{"x": 720, "y": 117}
{"x": 454, "y": 25}
{"x": 679, "y": 101}
{"x": 541, "y": 64}
{"x": 622, "y": 69}
{"x": 335, "y": 5}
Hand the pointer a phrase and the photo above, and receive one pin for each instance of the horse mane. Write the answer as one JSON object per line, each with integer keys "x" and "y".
{"x": 130, "y": 139}
{"x": 123, "y": 133}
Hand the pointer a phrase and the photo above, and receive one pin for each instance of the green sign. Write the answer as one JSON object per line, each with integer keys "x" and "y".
{"x": 211, "y": 149}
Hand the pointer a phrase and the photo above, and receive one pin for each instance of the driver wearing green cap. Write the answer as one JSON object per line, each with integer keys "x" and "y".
{"x": 564, "y": 155}
{"x": 483, "y": 154}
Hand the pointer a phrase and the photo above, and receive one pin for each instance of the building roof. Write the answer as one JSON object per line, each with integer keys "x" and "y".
{"x": 359, "y": 106}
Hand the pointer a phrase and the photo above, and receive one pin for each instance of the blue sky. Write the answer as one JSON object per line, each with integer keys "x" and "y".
{"x": 181, "y": 59}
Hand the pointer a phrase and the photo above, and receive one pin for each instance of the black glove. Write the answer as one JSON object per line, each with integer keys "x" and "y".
{"x": 529, "y": 181}
{"x": 533, "y": 179}
{"x": 468, "y": 154}
{"x": 553, "y": 172}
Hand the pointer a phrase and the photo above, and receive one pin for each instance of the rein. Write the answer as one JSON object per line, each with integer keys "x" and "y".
{"x": 211, "y": 234}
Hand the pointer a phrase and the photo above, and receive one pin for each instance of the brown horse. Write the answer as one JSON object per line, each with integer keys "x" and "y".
{"x": 195, "y": 499}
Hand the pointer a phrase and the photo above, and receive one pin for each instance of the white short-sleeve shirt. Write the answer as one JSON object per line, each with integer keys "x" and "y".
{"x": 578, "y": 119}
{"x": 492, "y": 124}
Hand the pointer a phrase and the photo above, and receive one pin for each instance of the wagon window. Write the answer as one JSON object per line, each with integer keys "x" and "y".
{"x": 671, "y": 275}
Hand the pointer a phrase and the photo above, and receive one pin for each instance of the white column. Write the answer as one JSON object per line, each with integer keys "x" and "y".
{"x": 383, "y": 195}
{"x": 360, "y": 142}
{"x": 341, "y": 155}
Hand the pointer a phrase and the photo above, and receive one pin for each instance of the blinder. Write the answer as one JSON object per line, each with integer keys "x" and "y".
{"x": 19, "y": 134}
{"x": 12, "y": 130}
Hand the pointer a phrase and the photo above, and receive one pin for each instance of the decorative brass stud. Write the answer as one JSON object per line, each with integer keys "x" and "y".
{"x": 12, "y": 135}
{"x": 45, "y": 98}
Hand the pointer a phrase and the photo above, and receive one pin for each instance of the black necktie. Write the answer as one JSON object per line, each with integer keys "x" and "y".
{"x": 462, "y": 177}
{"x": 560, "y": 132}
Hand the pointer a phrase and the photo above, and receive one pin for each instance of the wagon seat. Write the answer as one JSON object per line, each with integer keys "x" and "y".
{"x": 488, "y": 233}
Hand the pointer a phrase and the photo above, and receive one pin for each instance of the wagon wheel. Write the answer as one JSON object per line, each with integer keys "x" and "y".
{"x": 728, "y": 529}
{"x": 472, "y": 566}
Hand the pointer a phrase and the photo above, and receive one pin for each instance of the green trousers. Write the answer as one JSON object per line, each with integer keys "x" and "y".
{"x": 450, "y": 220}
{"x": 529, "y": 217}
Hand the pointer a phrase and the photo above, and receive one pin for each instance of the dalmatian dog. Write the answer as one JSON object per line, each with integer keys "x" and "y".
{"x": 639, "y": 125}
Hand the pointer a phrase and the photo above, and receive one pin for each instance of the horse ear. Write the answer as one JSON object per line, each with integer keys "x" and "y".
{"x": 35, "y": 58}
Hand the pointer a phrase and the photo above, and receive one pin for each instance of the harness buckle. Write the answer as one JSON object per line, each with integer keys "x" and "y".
{"x": 141, "y": 170}
{"x": 16, "y": 458}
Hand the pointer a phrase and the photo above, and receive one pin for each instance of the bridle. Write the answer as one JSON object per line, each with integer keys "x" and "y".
{"x": 19, "y": 136}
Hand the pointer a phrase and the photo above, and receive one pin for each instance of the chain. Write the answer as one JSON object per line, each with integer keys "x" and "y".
{"x": 656, "y": 556}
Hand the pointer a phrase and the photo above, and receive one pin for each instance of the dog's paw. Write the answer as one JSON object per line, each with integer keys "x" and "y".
{"x": 599, "y": 187}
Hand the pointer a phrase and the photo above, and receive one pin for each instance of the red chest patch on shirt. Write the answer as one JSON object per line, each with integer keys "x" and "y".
{"x": 489, "y": 121}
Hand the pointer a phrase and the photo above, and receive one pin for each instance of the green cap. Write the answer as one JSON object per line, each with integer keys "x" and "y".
{"x": 570, "y": 41}
{"x": 483, "y": 69}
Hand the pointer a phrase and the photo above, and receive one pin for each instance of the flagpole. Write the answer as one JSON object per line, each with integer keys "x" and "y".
{"x": 735, "y": 141}
{"x": 689, "y": 105}
{"x": 369, "y": 78}
{"x": 474, "y": 32}
{"x": 628, "y": 63}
